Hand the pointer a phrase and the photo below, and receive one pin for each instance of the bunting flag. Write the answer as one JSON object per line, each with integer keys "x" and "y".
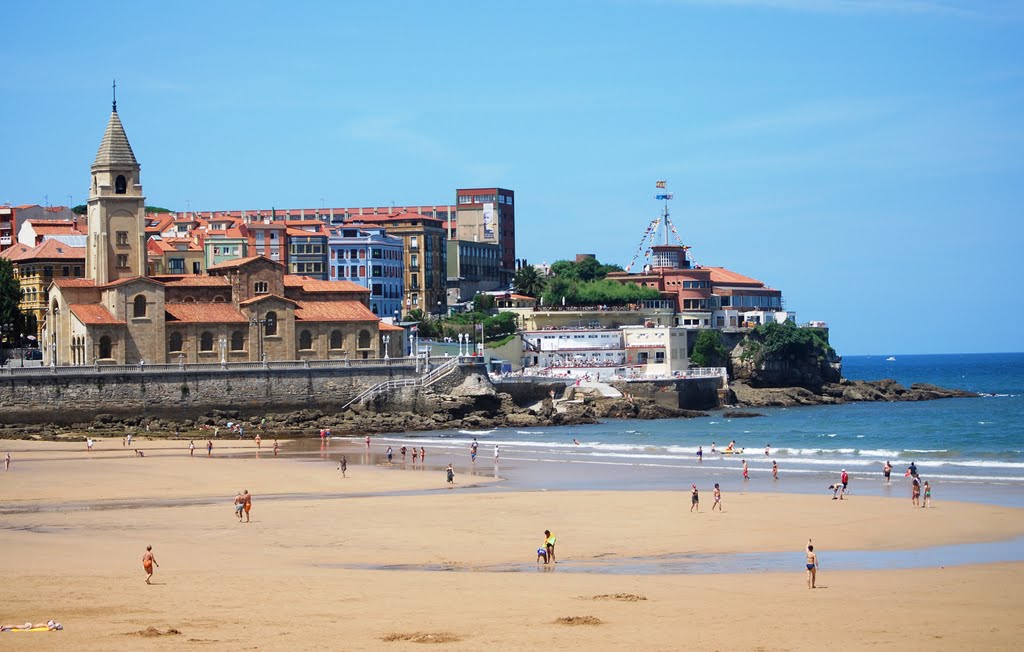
{"x": 665, "y": 196}
{"x": 659, "y": 184}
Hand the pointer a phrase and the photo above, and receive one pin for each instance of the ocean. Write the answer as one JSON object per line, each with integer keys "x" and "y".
{"x": 967, "y": 448}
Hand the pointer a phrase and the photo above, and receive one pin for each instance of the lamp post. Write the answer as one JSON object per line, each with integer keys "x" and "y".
{"x": 53, "y": 355}
{"x": 386, "y": 340}
{"x": 181, "y": 361}
{"x": 223, "y": 351}
{"x": 261, "y": 324}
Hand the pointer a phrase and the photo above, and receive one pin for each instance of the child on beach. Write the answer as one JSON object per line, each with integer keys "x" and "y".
{"x": 549, "y": 545}
{"x": 542, "y": 553}
{"x": 927, "y": 495}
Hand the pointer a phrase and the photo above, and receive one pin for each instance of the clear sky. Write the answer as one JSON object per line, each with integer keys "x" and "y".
{"x": 863, "y": 156}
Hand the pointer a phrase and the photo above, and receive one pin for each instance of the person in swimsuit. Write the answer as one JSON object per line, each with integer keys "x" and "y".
{"x": 700, "y": 453}
{"x": 775, "y": 470}
{"x": 415, "y": 455}
{"x": 209, "y": 448}
{"x": 694, "y": 498}
{"x": 148, "y": 562}
{"x": 746, "y": 471}
{"x": 275, "y": 448}
{"x": 239, "y": 506}
{"x": 915, "y": 492}
{"x": 423, "y": 455}
{"x": 7, "y": 462}
{"x": 927, "y": 502}
{"x": 191, "y": 448}
{"x": 495, "y": 453}
{"x": 812, "y": 567}
{"x": 718, "y": 499}
{"x": 257, "y": 439}
{"x": 887, "y": 470}
{"x": 390, "y": 454}
{"x": 451, "y": 474}
{"x": 343, "y": 466}
{"x": 713, "y": 447}
{"x": 247, "y": 503}
{"x": 549, "y": 543}
{"x": 542, "y": 553}
{"x": 767, "y": 450}
{"x": 367, "y": 441}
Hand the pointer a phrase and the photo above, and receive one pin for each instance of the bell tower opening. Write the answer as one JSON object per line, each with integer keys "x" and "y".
{"x": 120, "y": 185}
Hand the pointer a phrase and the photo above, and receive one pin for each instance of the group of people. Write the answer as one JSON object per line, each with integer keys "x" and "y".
{"x": 243, "y": 503}
{"x": 547, "y": 551}
{"x": 417, "y": 455}
{"x": 916, "y": 487}
{"x": 695, "y": 498}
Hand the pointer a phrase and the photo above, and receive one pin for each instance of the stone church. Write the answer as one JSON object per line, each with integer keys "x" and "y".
{"x": 245, "y": 310}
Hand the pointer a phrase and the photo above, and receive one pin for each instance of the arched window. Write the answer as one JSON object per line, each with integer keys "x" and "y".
{"x": 364, "y": 339}
{"x": 174, "y": 342}
{"x": 261, "y": 287}
{"x": 218, "y": 299}
{"x": 120, "y": 185}
{"x": 140, "y": 306}
{"x": 305, "y": 340}
{"x": 105, "y": 347}
{"x": 206, "y": 341}
{"x": 335, "y": 339}
{"x": 189, "y": 300}
{"x": 237, "y": 341}
{"x": 271, "y": 325}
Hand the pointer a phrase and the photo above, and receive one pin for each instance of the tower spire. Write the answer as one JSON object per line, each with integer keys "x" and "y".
{"x": 115, "y": 96}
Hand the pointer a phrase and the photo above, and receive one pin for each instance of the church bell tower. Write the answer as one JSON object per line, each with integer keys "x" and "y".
{"x": 116, "y": 246}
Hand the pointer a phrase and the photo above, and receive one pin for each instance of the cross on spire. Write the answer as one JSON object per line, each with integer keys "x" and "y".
{"x": 115, "y": 96}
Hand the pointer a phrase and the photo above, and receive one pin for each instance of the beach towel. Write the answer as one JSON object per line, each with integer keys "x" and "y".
{"x": 50, "y": 626}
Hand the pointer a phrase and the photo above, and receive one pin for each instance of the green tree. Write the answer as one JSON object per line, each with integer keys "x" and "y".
{"x": 528, "y": 281}
{"x": 708, "y": 350}
{"x": 483, "y": 303}
{"x": 10, "y": 295}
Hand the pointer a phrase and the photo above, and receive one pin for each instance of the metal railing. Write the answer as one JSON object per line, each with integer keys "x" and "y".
{"x": 205, "y": 366}
{"x": 445, "y": 367}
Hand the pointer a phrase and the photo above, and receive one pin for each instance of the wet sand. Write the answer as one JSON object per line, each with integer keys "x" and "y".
{"x": 74, "y": 527}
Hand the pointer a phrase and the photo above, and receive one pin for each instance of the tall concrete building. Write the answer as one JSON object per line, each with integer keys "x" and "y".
{"x": 488, "y": 215}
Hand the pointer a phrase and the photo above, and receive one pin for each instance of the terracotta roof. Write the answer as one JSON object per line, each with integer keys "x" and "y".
{"x": 130, "y": 279}
{"x": 54, "y": 227}
{"x": 300, "y": 233}
{"x": 53, "y": 250}
{"x": 115, "y": 149}
{"x": 724, "y": 276}
{"x": 190, "y": 280}
{"x": 384, "y": 326}
{"x": 264, "y": 297}
{"x": 392, "y": 217}
{"x": 92, "y": 313}
{"x": 205, "y": 313}
{"x": 74, "y": 282}
{"x": 315, "y": 285}
{"x": 333, "y": 311}
{"x": 521, "y": 297}
{"x": 14, "y": 252}
{"x": 238, "y": 262}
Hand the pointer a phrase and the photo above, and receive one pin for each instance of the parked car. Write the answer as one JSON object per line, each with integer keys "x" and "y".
{"x": 33, "y": 354}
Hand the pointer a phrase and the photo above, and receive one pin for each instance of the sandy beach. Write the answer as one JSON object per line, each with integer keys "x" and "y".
{"x": 306, "y": 573}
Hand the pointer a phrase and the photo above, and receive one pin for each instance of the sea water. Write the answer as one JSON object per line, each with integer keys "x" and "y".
{"x": 973, "y": 445}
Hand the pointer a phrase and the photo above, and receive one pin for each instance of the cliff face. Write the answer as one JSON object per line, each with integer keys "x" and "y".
{"x": 777, "y": 355}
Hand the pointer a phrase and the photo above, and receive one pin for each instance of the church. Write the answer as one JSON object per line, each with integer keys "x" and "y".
{"x": 246, "y": 310}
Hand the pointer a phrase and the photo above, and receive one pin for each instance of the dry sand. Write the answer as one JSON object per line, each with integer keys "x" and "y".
{"x": 281, "y": 581}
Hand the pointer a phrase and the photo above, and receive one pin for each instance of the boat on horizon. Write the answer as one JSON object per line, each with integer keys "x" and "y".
{"x": 891, "y": 358}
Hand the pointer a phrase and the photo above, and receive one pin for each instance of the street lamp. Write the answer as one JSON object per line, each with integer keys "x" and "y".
{"x": 386, "y": 339}
{"x": 223, "y": 351}
{"x": 261, "y": 324}
{"x": 181, "y": 361}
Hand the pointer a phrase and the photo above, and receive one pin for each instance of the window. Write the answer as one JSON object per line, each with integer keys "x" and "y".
{"x": 206, "y": 341}
{"x": 105, "y": 347}
{"x": 364, "y": 339}
{"x": 413, "y": 242}
{"x": 139, "y": 306}
{"x": 271, "y": 324}
{"x": 305, "y": 341}
{"x": 414, "y": 260}
{"x": 174, "y": 342}
{"x": 237, "y": 341}
{"x": 122, "y": 237}
{"x": 261, "y": 287}
{"x": 335, "y": 339}
{"x": 122, "y": 260}
{"x": 120, "y": 185}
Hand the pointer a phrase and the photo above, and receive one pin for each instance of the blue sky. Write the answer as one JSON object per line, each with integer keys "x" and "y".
{"x": 864, "y": 156}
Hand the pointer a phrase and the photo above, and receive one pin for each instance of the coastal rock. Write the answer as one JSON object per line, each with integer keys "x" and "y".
{"x": 845, "y": 391}
{"x": 741, "y": 415}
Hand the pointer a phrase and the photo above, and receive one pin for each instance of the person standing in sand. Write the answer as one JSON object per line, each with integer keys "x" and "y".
{"x": 191, "y": 448}
{"x": 257, "y": 439}
{"x": 239, "y": 505}
{"x": 7, "y": 462}
{"x": 88, "y": 444}
{"x": 694, "y": 498}
{"x": 450, "y": 472}
{"x": 209, "y": 448}
{"x": 390, "y": 454}
{"x": 148, "y": 562}
{"x": 927, "y": 502}
{"x": 549, "y": 543}
{"x": 845, "y": 479}
{"x": 915, "y": 492}
{"x": 423, "y": 455}
{"x": 275, "y": 448}
{"x": 718, "y": 499}
{"x": 343, "y": 466}
{"x": 812, "y": 567}
{"x": 746, "y": 471}
{"x": 247, "y": 503}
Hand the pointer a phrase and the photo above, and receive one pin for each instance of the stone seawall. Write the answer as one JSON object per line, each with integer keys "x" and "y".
{"x": 680, "y": 394}
{"x": 78, "y": 397}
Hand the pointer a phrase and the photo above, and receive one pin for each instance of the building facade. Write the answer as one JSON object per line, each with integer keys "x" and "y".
{"x": 371, "y": 258}
{"x": 488, "y": 215}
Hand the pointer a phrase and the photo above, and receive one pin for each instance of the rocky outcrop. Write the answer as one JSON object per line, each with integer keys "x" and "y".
{"x": 844, "y": 391}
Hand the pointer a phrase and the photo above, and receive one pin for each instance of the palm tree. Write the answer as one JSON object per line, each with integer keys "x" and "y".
{"x": 528, "y": 281}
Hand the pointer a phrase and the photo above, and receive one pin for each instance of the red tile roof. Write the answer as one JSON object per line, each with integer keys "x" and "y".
{"x": 384, "y": 326}
{"x": 392, "y": 217}
{"x": 14, "y": 252}
{"x": 723, "y": 276}
{"x": 315, "y": 285}
{"x": 264, "y": 297}
{"x": 130, "y": 279}
{"x": 74, "y": 282}
{"x": 55, "y": 227}
{"x": 238, "y": 262}
{"x": 92, "y": 313}
{"x": 334, "y": 311}
{"x": 54, "y": 250}
{"x": 193, "y": 281}
{"x": 205, "y": 313}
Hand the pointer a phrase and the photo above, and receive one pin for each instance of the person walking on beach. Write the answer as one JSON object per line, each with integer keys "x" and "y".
{"x": 191, "y": 448}
{"x": 209, "y": 448}
{"x": 415, "y": 455}
{"x": 367, "y": 441}
{"x": 915, "y": 492}
{"x": 128, "y": 438}
{"x": 247, "y": 503}
{"x": 450, "y": 472}
{"x": 812, "y": 567}
{"x": 275, "y": 448}
{"x": 700, "y": 453}
{"x": 7, "y": 462}
{"x": 402, "y": 451}
{"x": 343, "y": 466}
{"x": 746, "y": 471}
{"x": 390, "y": 454}
{"x": 423, "y": 455}
{"x": 88, "y": 444}
{"x": 887, "y": 470}
{"x": 148, "y": 562}
{"x": 845, "y": 479}
{"x": 495, "y": 453}
{"x": 549, "y": 543}
{"x": 257, "y": 439}
{"x": 775, "y": 470}
{"x": 718, "y": 499}
{"x": 927, "y": 502}
{"x": 694, "y": 498}
{"x": 239, "y": 505}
